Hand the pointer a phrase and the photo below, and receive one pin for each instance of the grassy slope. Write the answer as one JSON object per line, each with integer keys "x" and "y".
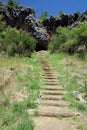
{"x": 19, "y": 87}
{"x": 72, "y": 75}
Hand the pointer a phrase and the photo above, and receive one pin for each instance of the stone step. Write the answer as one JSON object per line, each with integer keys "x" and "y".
{"x": 41, "y": 56}
{"x": 52, "y": 97}
{"x": 50, "y": 123}
{"x": 47, "y": 72}
{"x": 50, "y": 92}
{"x": 46, "y": 67}
{"x": 44, "y": 62}
{"x": 52, "y": 88}
{"x": 50, "y": 74}
{"x": 54, "y": 103}
{"x": 51, "y": 83}
{"x": 50, "y": 80}
{"x": 52, "y": 111}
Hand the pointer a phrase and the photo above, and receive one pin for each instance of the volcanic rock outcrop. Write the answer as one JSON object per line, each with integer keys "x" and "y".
{"x": 64, "y": 20}
{"x": 23, "y": 17}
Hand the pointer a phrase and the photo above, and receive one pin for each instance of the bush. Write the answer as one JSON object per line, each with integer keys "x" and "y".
{"x": 58, "y": 40}
{"x": 11, "y": 3}
{"x": 18, "y": 42}
{"x": 2, "y": 23}
{"x": 80, "y": 33}
{"x": 53, "y": 45}
{"x": 11, "y": 49}
{"x": 70, "y": 40}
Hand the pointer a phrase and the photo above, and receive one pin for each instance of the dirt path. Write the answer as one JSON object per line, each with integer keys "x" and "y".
{"x": 53, "y": 111}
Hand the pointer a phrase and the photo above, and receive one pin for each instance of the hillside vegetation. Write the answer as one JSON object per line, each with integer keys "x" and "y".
{"x": 14, "y": 41}
{"x": 70, "y": 41}
{"x": 20, "y": 78}
{"x": 71, "y": 73}
{"x": 19, "y": 88}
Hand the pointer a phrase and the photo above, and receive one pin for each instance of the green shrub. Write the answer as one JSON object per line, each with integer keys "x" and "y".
{"x": 58, "y": 39}
{"x": 53, "y": 45}
{"x": 18, "y": 42}
{"x": 11, "y": 49}
{"x": 78, "y": 106}
{"x": 11, "y": 3}
{"x": 80, "y": 33}
{"x": 2, "y": 23}
{"x": 70, "y": 40}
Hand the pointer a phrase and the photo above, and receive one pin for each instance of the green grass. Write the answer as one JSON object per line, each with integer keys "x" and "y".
{"x": 25, "y": 123}
{"x": 79, "y": 106}
{"x": 72, "y": 75}
{"x": 25, "y": 81}
{"x": 81, "y": 127}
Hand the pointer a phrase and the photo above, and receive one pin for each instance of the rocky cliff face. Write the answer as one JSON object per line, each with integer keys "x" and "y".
{"x": 64, "y": 20}
{"x": 23, "y": 17}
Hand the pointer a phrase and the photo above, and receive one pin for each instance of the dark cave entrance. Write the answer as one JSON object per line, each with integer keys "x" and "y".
{"x": 41, "y": 46}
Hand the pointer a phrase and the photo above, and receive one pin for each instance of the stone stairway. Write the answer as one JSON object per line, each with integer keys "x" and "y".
{"x": 52, "y": 104}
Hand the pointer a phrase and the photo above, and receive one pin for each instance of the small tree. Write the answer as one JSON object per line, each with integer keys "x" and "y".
{"x": 43, "y": 15}
{"x": 18, "y": 42}
{"x": 12, "y": 3}
{"x": 58, "y": 40}
{"x": 80, "y": 33}
{"x": 71, "y": 41}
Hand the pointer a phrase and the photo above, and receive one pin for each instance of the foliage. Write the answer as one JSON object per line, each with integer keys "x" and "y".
{"x": 2, "y": 27}
{"x": 18, "y": 42}
{"x": 43, "y": 15}
{"x": 72, "y": 76}
{"x": 24, "y": 81}
{"x": 71, "y": 41}
{"x": 2, "y": 23}
{"x": 58, "y": 39}
{"x": 13, "y": 41}
{"x": 11, "y": 3}
{"x": 80, "y": 33}
{"x": 78, "y": 106}
{"x": 81, "y": 127}
{"x": 25, "y": 124}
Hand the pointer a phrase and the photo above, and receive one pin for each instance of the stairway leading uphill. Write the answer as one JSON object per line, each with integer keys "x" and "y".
{"x": 53, "y": 110}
